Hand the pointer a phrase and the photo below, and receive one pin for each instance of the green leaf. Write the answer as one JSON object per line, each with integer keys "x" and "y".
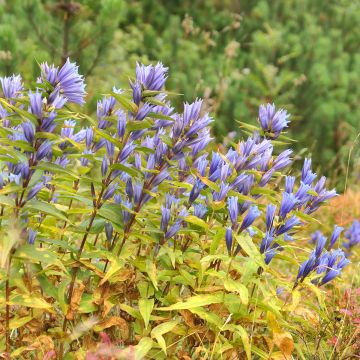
{"x": 38, "y": 255}
{"x": 143, "y": 347}
{"x": 46, "y": 208}
{"x": 113, "y": 213}
{"x": 17, "y": 322}
{"x": 234, "y": 286}
{"x": 130, "y": 170}
{"x": 115, "y": 266}
{"x": 158, "y": 332}
{"x": 125, "y": 102}
{"x": 56, "y": 169}
{"x": 196, "y": 301}
{"x": 140, "y": 125}
{"x": 30, "y": 301}
{"x": 5, "y": 200}
{"x": 219, "y": 236}
{"x": 197, "y": 221}
{"x": 151, "y": 271}
{"x": 146, "y": 306}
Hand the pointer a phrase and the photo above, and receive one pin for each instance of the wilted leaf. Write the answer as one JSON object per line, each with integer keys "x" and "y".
{"x": 285, "y": 342}
{"x": 117, "y": 321}
{"x": 75, "y": 301}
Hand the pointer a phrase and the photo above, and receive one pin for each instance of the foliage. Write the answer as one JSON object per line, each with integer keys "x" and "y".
{"x": 33, "y": 31}
{"x": 301, "y": 53}
{"x": 121, "y": 234}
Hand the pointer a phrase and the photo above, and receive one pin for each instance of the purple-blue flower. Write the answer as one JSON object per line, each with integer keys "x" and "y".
{"x": 11, "y": 86}
{"x": 233, "y": 209}
{"x": 151, "y": 77}
{"x": 44, "y": 150}
{"x": 36, "y": 103}
{"x": 334, "y": 236}
{"x": 200, "y": 210}
{"x": 352, "y": 235}
{"x": 288, "y": 203}
{"x": 34, "y": 190}
{"x": 31, "y": 236}
{"x": 29, "y": 132}
{"x": 250, "y": 217}
{"x": 67, "y": 82}
{"x": 273, "y": 121}
{"x": 229, "y": 239}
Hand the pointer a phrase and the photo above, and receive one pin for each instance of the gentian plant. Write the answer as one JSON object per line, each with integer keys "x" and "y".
{"x": 128, "y": 234}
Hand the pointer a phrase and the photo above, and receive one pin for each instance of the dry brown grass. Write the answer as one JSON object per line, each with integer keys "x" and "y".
{"x": 343, "y": 209}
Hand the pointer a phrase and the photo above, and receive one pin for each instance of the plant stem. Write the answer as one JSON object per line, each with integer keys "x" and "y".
{"x": 7, "y": 315}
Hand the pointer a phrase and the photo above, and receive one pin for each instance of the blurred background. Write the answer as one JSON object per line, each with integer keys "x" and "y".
{"x": 236, "y": 54}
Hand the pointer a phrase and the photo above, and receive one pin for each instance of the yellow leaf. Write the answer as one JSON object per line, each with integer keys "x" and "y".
{"x": 285, "y": 342}
{"x": 236, "y": 286}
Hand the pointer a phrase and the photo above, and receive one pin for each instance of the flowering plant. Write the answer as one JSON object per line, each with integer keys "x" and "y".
{"x": 125, "y": 235}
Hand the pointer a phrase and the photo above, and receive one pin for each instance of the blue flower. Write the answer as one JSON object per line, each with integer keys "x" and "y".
{"x": 282, "y": 160}
{"x": 11, "y": 87}
{"x": 352, "y": 235}
{"x": 288, "y": 225}
{"x": 288, "y": 203}
{"x": 229, "y": 239}
{"x": 334, "y": 236}
{"x": 289, "y": 184}
{"x": 320, "y": 244}
{"x": 70, "y": 84}
{"x": 126, "y": 151}
{"x": 174, "y": 228}
{"x": 110, "y": 191}
{"x": 121, "y": 123}
{"x": 250, "y": 217}
{"x": 165, "y": 218}
{"x": 34, "y": 190}
{"x": 44, "y": 150}
{"x": 105, "y": 108}
{"x": 151, "y": 77}
{"x": 104, "y": 166}
{"x": 29, "y": 133}
{"x": 200, "y": 210}
{"x": 195, "y": 191}
{"x": 273, "y": 122}
{"x": 270, "y": 216}
{"x": 31, "y": 236}
{"x": 36, "y": 104}
{"x": 233, "y": 209}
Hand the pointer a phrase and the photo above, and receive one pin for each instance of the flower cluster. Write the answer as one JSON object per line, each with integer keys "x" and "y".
{"x": 352, "y": 235}
{"x": 139, "y": 144}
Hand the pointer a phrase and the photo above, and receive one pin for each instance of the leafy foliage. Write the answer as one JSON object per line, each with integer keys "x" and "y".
{"x": 122, "y": 234}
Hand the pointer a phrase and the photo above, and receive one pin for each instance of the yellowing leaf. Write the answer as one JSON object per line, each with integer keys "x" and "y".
{"x": 196, "y": 221}
{"x": 296, "y": 297}
{"x": 158, "y": 332}
{"x": 196, "y": 301}
{"x": 29, "y": 301}
{"x": 143, "y": 347}
{"x": 151, "y": 271}
{"x": 146, "y": 306}
{"x": 285, "y": 342}
{"x": 114, "y": 268}
{"x": 236, "y": 286}
{"x": 19, "y": 321}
